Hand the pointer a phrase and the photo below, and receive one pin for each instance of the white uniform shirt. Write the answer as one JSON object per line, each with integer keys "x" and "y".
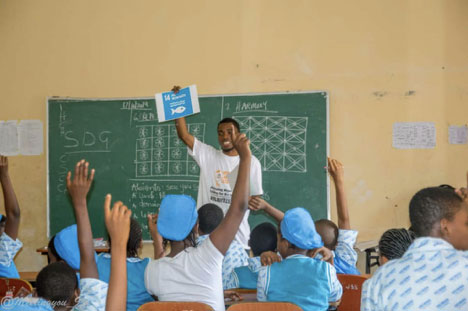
{"x": 214, "y": 186}
{"x": 192, "y": 275}
{"x": 431, "y": 275}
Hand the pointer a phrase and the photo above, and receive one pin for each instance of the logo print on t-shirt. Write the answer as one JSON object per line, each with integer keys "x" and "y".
{"x": 221, "y": 178}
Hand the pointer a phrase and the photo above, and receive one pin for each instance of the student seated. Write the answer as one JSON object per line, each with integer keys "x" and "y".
{"x": 262, "y": 239}
{"x": 136, "y": 291}
{"x": 307, "y": 282}
{"x": 209, "y": 217}
{"x": 57, "y": 284}
{"x": 9, "y": 225}
{"x": 340, "y": 239}
{"x": 432, "y": 274}
{"x": 394, "y": 243}
{"x": 190, "y": 272}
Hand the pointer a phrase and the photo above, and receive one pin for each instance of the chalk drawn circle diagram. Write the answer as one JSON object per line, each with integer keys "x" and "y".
{"x": 144, "y": 143}
{"x": 144, "y": 155}
{"x": 159, "y": 131}
{"x": 143, "y": 132}
{"x": 177, "y": 142}
{"x": 176, "y": 154}
{"x": 144, "y": 169}
{"x": 196, "y": 130}
{"x": 158, "y": 168}
{"x": 193, "y": 168}
{"x": 177, "y": 168}
{"x": 158, "y": 155}
{"x": 159, "y": 142}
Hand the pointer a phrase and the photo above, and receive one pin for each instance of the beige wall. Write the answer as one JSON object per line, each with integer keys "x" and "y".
{"x": 382, "y": 62}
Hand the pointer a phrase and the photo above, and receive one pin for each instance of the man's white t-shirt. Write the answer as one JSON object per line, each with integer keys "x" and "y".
{"x": 192, "y": 275}
{"x": 214, "y": 186}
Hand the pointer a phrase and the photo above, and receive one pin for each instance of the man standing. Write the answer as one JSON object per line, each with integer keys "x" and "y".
{"x": 217, "y": 167}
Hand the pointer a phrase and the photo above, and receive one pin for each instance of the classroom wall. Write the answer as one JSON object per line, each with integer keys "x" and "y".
{"x": 381, "y": 61}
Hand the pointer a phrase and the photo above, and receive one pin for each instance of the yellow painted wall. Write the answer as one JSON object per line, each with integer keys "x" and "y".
{"x": 382, "y": 62}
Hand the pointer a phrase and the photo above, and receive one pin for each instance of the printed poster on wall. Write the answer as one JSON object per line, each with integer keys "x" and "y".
{"x": 171, "y": 106}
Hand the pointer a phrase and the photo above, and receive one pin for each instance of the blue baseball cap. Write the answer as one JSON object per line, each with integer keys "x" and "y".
{"x": 298, "y": 228}
{"x": 177, "y": 216}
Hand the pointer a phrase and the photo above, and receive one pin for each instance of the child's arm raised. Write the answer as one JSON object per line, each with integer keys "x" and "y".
{"x": 158, "y": 246}
{"x": 223, "y": 235}
{"x": 257, "y": 204}
{"x": 118, "y": 225}
{"x": 335, "y": 168}
{"x": 78, "y": 188}
{"x": 12, "y": 209}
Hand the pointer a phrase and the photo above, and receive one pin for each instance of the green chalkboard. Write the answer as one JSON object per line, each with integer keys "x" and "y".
{"x": 139, "y": 160}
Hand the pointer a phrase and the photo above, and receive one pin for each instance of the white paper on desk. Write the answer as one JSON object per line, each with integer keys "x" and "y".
{"x": 8, "y": 138}
{"x": 30, "y": 137}
{"x": 458, "y": 135}
{"x": 414, "y": 135}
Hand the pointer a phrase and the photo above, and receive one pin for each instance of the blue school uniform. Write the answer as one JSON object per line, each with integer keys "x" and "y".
{"x": 345, "y": 256}
{"x": 136, "y": 290}
{"x": 92, "y": 298}
{"x": 431, "y": 275}
{"x": 246, "y": 276}
{"x": 8, "y": 250}
{"x": 307, "y": 282}
{"x": 235, "y": 256}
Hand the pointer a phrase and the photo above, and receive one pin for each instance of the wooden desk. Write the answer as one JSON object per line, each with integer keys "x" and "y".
{"x": 248, "y": 295}
{"x": 43, "y": 250}
{"x": 28, "y": 276}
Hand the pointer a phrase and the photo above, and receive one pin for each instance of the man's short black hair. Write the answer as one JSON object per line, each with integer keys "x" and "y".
{"x": 263, "y": 238}
{"x": 429, "y": 206}
{"x": 328, "y": 230}
{"x": 3, "y": 220}
{"x": 230, "y": 120}
{"x": 57, "y": 283}
{"x": 209, "y": 217}
{"x": 394, "y": 243}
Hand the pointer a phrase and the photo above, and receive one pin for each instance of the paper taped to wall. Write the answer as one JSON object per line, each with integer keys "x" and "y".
{"x": 458, "y": 135}
{"x": 414, "y": 135}
{"x": 8, "y": 138}
{"x": 30, "y": 137}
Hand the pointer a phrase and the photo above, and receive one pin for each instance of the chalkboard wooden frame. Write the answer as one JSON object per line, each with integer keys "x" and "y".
{"x": 202, "y": 98}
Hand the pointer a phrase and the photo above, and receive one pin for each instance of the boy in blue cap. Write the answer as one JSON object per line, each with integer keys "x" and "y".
{"x": 339, "y": 239}
{"x": 307, "y": 282}
{"x": 190, "y": 272}
{"x": 9, "y": 243}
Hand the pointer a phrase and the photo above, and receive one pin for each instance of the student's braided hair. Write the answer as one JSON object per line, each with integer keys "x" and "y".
{"x": 134, "y": 239}
{"x": 394, "y": 243}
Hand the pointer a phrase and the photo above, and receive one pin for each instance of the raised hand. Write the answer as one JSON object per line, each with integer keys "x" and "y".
{"x": 157, "y": 238}
{"x": 241, "y": 144}
{"x": 78, "y": 187}
{"x": 257, "y": 204}
{"x": 117, "y": 221}
{"x": 335, "y": 168}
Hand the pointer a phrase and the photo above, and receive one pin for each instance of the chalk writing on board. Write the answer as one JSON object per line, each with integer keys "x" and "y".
{"x": 414, "y": 135}
{"x": 458, "y": 135}
{"x": 278, "y": 142}
{"x": 160, "y": 152}
{"x": 146, "y": 195}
